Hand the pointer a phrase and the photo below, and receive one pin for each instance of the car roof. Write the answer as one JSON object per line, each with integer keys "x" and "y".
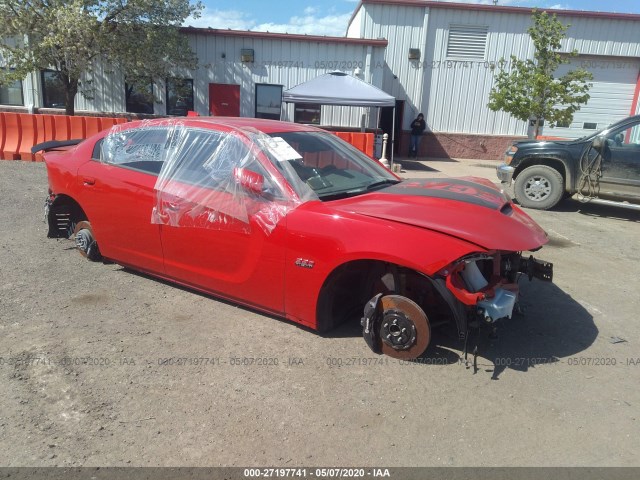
{"x": 229, "y": 123}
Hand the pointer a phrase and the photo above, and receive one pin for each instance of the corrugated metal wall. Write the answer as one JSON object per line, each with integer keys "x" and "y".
{"x": 354, "y": 30}
{"x": 404, "y": 28}
{"x": 454, "y": 94}
{"x": 281, "y": 62}
{"x": 459, "y": 92}
{"x": 276, "y": 61}
{"x": 105, "y": 91}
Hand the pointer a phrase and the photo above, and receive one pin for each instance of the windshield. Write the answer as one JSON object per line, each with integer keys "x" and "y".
{"x": 327, "y": 165}
{"x": 593, "y": 135}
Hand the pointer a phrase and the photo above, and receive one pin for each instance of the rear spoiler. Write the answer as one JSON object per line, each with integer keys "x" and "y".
{"x": 53, "y": 144}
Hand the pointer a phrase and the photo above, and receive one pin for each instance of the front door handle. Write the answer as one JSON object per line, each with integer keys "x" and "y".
{"x": 88, "y": 180}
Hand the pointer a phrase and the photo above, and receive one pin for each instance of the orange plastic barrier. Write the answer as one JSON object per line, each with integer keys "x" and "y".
{"x": 49, "y": 127}
{"x": 2, "y": 132}
{"x": 107, "y": 123}
{"x": 45, "y": 132}
{"x": 29, "y": 136}
{"x": 40, "y": 129}
{"x": 362, "y": 141}
{"x": 21, "y": 131}
{"x": 77, "y": 128}
{"x": 92, "y": 125}
{"x": 12, "y": 137}
{"x": 61, "y": 128}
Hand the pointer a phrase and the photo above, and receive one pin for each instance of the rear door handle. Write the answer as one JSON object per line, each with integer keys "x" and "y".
{"x": 88, "y": 180}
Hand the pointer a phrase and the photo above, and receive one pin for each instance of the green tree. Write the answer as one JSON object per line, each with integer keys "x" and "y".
{"x": 529, "y": 90}
{"x": 139, "y": 38}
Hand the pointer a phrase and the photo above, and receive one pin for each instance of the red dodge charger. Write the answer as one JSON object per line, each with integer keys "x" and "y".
{"x": 289, "y": 219}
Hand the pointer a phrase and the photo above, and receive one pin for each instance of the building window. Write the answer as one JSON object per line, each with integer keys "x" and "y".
{"x": 590, "y": 126}
{"x": 11, "y": 94}
{"x": 268, "y": 101}
{"x": 467, "y": 42}
{"x": 139, "y": 96}
{"x": 179, "y": 96}
{"x": 306, "y": 113}
{"x": 53, "y": 90}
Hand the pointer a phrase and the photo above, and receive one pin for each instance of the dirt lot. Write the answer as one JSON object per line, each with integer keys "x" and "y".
{"x": 85, "y": 381}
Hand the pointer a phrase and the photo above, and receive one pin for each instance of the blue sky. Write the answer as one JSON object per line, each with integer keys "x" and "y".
{"x": 330, "y": 17}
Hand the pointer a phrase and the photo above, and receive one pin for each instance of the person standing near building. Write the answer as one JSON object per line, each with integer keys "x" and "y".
{"x": 418, "y": 127}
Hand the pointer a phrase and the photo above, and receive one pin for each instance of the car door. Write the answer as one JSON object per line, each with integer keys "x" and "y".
{"x": 217, "y": 235}
{"x": 117, "y": 194}
{"x": 621, "y": 162}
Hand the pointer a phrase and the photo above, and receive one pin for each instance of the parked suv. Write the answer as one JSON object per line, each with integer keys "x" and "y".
{"x": 604, "y": 165}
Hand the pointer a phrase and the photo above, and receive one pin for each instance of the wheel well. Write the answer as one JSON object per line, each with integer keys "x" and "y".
{"x": 549, "y": 162}
{"x": 64, "y": 214}
{"x": 347, "y": 289}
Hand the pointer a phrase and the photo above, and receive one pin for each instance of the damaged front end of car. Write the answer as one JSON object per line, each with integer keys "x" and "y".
{"x": 488, "y": 282}
{"x": 480, "y": 290}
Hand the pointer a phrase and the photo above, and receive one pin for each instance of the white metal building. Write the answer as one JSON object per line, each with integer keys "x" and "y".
{"x": 440, "y": 56}
{"x": 434, "y": 57}
{"x": 240, "y": 73}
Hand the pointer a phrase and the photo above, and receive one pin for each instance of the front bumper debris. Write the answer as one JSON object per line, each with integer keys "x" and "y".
{"x": 535, "y": 268}
{"x": 489, "y": 285}
{"x": 505, "y": 174}
{"x": 497, "y": 307}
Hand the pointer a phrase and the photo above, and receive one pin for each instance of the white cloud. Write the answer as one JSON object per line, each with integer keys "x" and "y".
{"x": 310, "y": 23}
{"x": 223, "y": 19}
{"x": 333, "y": 25}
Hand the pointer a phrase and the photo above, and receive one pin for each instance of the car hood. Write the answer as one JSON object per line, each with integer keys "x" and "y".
{"x": 469, "y": 208}
{"x": 544, "y": 143}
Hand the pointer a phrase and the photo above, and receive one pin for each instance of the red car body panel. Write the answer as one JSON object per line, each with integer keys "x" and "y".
{"x": 123, "y": 224}
{"x": 502, "y": 226}
{"x": 412, "y": 224}
{"x": 330, "y": 238}
{"x": 245, "y": 267}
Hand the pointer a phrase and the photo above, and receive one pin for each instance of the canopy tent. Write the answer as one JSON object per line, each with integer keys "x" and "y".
{"x": 339, "y": 88}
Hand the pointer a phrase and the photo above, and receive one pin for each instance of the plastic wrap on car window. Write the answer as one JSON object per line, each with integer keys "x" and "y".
{"x": 234, "y": 180}
{"x": 223, "y": 180}
{"x": 131, "y": 146}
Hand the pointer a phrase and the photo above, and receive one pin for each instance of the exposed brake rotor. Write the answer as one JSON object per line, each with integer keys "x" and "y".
{"x": 85, "y": 241}
{"x": 404, "y": 328}
{"x": 83, "y": 237}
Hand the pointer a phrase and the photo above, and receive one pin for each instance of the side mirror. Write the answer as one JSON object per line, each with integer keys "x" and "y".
{"x": 598, "y": 143}
{"x": 249, "y": 180}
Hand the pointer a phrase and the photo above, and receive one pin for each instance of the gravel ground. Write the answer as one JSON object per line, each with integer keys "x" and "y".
{"x": 85, "y": 381}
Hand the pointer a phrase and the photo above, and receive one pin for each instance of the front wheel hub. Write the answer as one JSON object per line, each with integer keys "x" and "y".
{"x": 404, "y": 329}
{"x": 398, "y": 331}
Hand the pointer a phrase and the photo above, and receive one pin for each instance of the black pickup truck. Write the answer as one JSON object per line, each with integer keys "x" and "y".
{"x": 604, "y": 166}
